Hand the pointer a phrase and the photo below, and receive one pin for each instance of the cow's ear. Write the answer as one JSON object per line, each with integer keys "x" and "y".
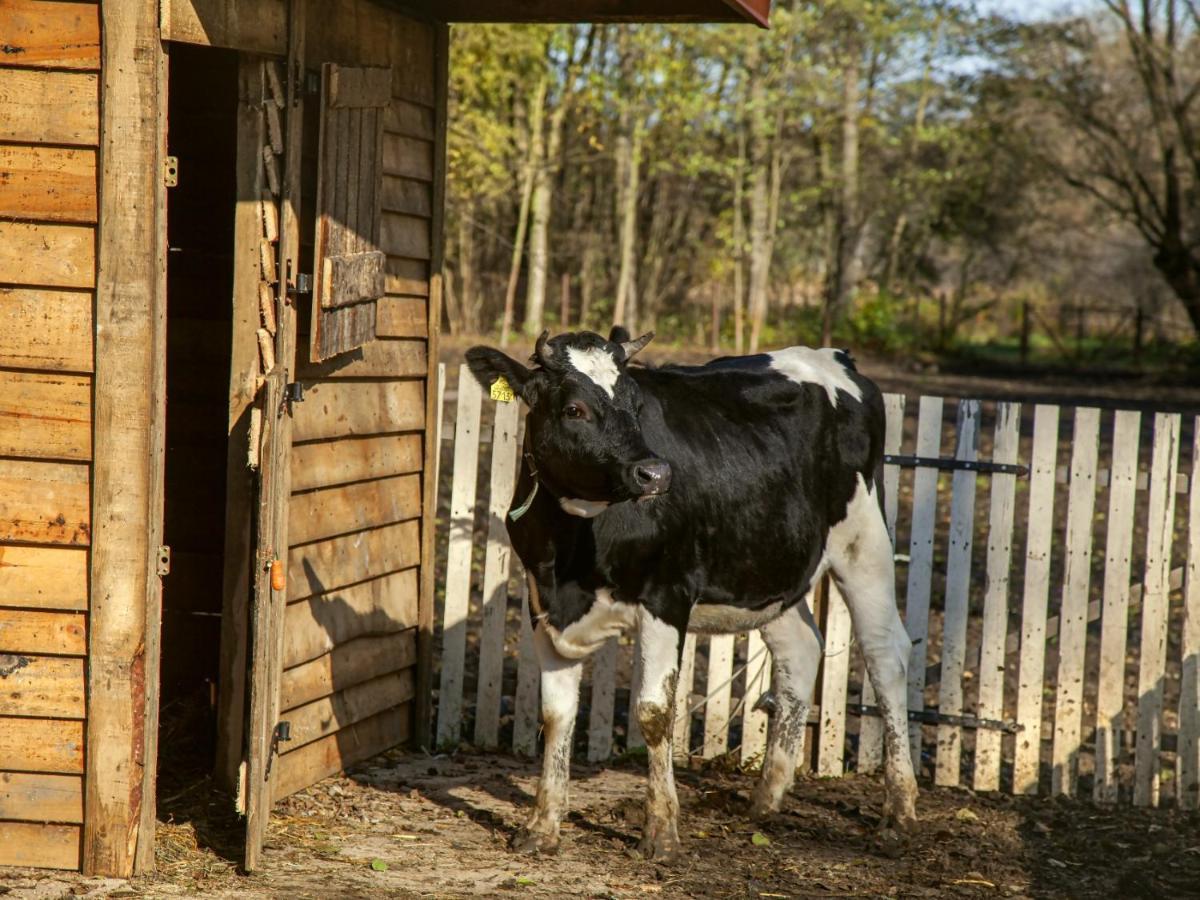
{"x": 618, "y": 335}
{"x": 488, "y": 365}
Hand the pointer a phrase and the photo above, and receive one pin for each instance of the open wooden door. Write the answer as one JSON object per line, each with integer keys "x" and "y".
{"x": 280, "y": 268}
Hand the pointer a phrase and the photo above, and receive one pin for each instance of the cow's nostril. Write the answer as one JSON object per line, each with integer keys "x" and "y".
{"x": 643, "y": 475}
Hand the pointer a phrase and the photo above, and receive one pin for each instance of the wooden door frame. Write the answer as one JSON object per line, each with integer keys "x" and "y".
{"x": 128, "y": 441}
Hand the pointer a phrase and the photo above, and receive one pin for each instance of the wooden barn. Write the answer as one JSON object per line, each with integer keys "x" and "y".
{"x": 220, "y": 247}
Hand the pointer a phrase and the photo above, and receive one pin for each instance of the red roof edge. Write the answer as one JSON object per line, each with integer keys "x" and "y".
{"x": 758, "y": 11}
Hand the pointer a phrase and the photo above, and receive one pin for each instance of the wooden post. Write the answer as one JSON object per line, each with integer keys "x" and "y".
{"x": 564, "y": 309}
{"x": 422, "y": 727}
{"x": 128, "y": 422}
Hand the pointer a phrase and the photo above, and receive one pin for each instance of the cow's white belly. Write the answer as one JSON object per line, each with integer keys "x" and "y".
{"x": 714, "y": 618}
{"x": 606, "y": 618}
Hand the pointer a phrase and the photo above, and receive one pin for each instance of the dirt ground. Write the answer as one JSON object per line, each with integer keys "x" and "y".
{"x": 403, "y": 826}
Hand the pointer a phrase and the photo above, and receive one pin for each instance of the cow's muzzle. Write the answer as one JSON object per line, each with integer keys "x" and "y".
{"x": 651, "y": 477}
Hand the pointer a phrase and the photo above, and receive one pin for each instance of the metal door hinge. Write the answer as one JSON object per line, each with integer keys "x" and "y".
{"x": 303, "y": 284}
{"x": 293, "y": 392}
{"x": 171, "y": 171}
{"x": 163, "y": 566}
{"x": 281, "y": 734}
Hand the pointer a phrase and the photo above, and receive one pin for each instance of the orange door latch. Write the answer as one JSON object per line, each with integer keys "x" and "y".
{"x": 278, "y": 576}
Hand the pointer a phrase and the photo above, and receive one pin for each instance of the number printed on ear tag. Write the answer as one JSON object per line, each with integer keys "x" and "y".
{"x": 501, "y": 390}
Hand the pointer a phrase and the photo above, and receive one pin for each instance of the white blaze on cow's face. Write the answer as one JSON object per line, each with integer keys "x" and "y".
{"x": 598, "y": 365}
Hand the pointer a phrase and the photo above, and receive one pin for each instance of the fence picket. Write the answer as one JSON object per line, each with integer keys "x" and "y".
{"x": 988, "y": 744}
{"x": 495, "y": 577}
{"x": 458, "y": 558}
{"x": 1114, "y": 622}
{"x": 525, "y": 704}
{"x": 1072, "y": 615}
{"x": 1189, "y": 694}
{"x": 604, "y": 694}
{"x": 920, "y": 565}
{"x": 757, "y": 682}
{"x": 958, "y": 582}
{"x": 870, "y": 728}
{"x": 633, "y": 731}
{"x": 835, "y": 670}
{"x": 718, "y": 689}
{"x": 1155, "y": 608}
{"x": 683, "y": 699}
{"x": 1027, "y": 762}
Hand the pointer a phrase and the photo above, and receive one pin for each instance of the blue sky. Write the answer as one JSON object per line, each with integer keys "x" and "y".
{"x": 1033, "y": 9}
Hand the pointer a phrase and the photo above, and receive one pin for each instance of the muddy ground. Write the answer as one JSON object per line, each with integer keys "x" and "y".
{"x": 438, "y": 827}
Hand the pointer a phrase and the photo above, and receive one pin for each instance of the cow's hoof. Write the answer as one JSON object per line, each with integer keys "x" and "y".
{"x": 534, "y": 842}
{"x": 661, "y": 846}
{"x": 763, "y": 807}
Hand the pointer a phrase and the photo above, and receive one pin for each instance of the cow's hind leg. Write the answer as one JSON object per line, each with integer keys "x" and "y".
{"x": 560, "y": 702}
{"x": 795, "y": 644}
{"x": 860, "y": 556}
{"x": 660, "y": 647}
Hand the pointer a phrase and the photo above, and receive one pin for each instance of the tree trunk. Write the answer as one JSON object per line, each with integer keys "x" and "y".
{"x": 841, "y": 279}
{"x": 466, "y": 269}
{"x": 739, "y": 240}
{"x": 628, "y": 165}
{"x": 539, "y": 251}
{"x": 564, "y": 304}
{"x": 453, "y": 317}
{"x": 760, "y": 211}
{"x": 532, "y": 163}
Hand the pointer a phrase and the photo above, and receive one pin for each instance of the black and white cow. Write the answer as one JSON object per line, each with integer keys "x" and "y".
{"x": 706, "y": 498}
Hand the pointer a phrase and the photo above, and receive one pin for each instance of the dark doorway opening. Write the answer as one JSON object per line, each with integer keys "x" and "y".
{"x": 202, "y": 135}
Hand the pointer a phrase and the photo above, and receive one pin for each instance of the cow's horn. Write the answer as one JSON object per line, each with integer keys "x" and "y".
{"x": 632, "y": 347}
{"x": 542, "y": 353}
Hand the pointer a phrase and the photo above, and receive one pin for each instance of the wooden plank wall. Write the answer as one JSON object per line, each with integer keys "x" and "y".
{"x": 358, "y": 457}
{"x": 49, "y": 115}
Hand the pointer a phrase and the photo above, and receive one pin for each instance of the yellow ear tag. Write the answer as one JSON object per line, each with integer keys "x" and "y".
{"x": 501, "y": 390}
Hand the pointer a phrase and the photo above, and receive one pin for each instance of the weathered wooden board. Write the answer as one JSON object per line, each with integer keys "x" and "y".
{"x": 339, "y": 409}
{"x": 41, "y": 686}
{"x": 1031, "y": 687}
{"x": 329, "y": 463}
{"x": 47, "y": 107}
{"x": 348, "y": 664}
{"x": 44, "y": 502}
{"x": 1189, "y": 688}
{"x": 47, "y": 255}
{"x": 410, "y": 120}
{"x": 353, "y": 507}
{"x": 920, "y": 567}
{"x": 718, "y": 689}
{"x": 323, "y": 717}
{"x": 1114, "y": 624}
{"x": 350, "y": 278}
{"x": 1152, "y": 659}
{"x": 831, "y": 735}
{"x": 602, "y": 708}
{"x": 43, "y": 577}
{"x": 45, "y": 416}
{"x": 757, "y": 682}
{"x": 40, "y": 846}
{"x": 495, "y": 576}
{"x": 415, "y": 42}
{"x": 408, "y": 277}
{"x": 326, "y": 565}
{"x": 407, "y": 196}
{"x": 35, "y": 631}
{"x": 407, "y": 157}
{"x": 56, "y": 184}
{"x": 995, "y": 599}
{"x": 458, "y": 558}
{"x": 46, "y": 329}
{"x": 1072, "y": 617}
{"x": 317, "y": 625}
{"x": 401, "y": 317}
{"x": 41, "y": 798}
{"x": 407, "y": 236}
{"x": 41, "y": 745}
{"x": 255, "y": 26}
{"x": 331, "y": 754}
{"x": 683, "y": 699}
{"x": 51, "y": 34}
{"x": 358, "y": 87}
{"x": 375, "y": 359}
{"x": 525, "y": 703}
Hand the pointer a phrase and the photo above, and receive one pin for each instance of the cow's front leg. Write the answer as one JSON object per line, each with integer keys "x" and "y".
{"x": 560, "y": 702}
{"x": 660, "y": 648}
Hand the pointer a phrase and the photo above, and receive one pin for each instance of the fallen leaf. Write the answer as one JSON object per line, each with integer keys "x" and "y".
{"x": 524, "y": 880}
{"x": 379, "y": 865}
{"x": 758, "y": 839}
{"x": 966, "y": 815}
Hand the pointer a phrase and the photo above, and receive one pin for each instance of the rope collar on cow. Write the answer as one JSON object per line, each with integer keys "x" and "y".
{"x": 582, "y": 508}
{"x": 516, "y": 514}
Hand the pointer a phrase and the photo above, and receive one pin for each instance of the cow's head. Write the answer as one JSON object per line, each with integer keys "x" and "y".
{"x": 582, "y": 428}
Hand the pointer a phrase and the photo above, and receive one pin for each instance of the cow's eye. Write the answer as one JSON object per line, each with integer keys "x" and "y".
{"x": 576, "y": 410}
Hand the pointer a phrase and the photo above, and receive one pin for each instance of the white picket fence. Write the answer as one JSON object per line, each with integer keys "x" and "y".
{"x": 1026, "y": 686}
